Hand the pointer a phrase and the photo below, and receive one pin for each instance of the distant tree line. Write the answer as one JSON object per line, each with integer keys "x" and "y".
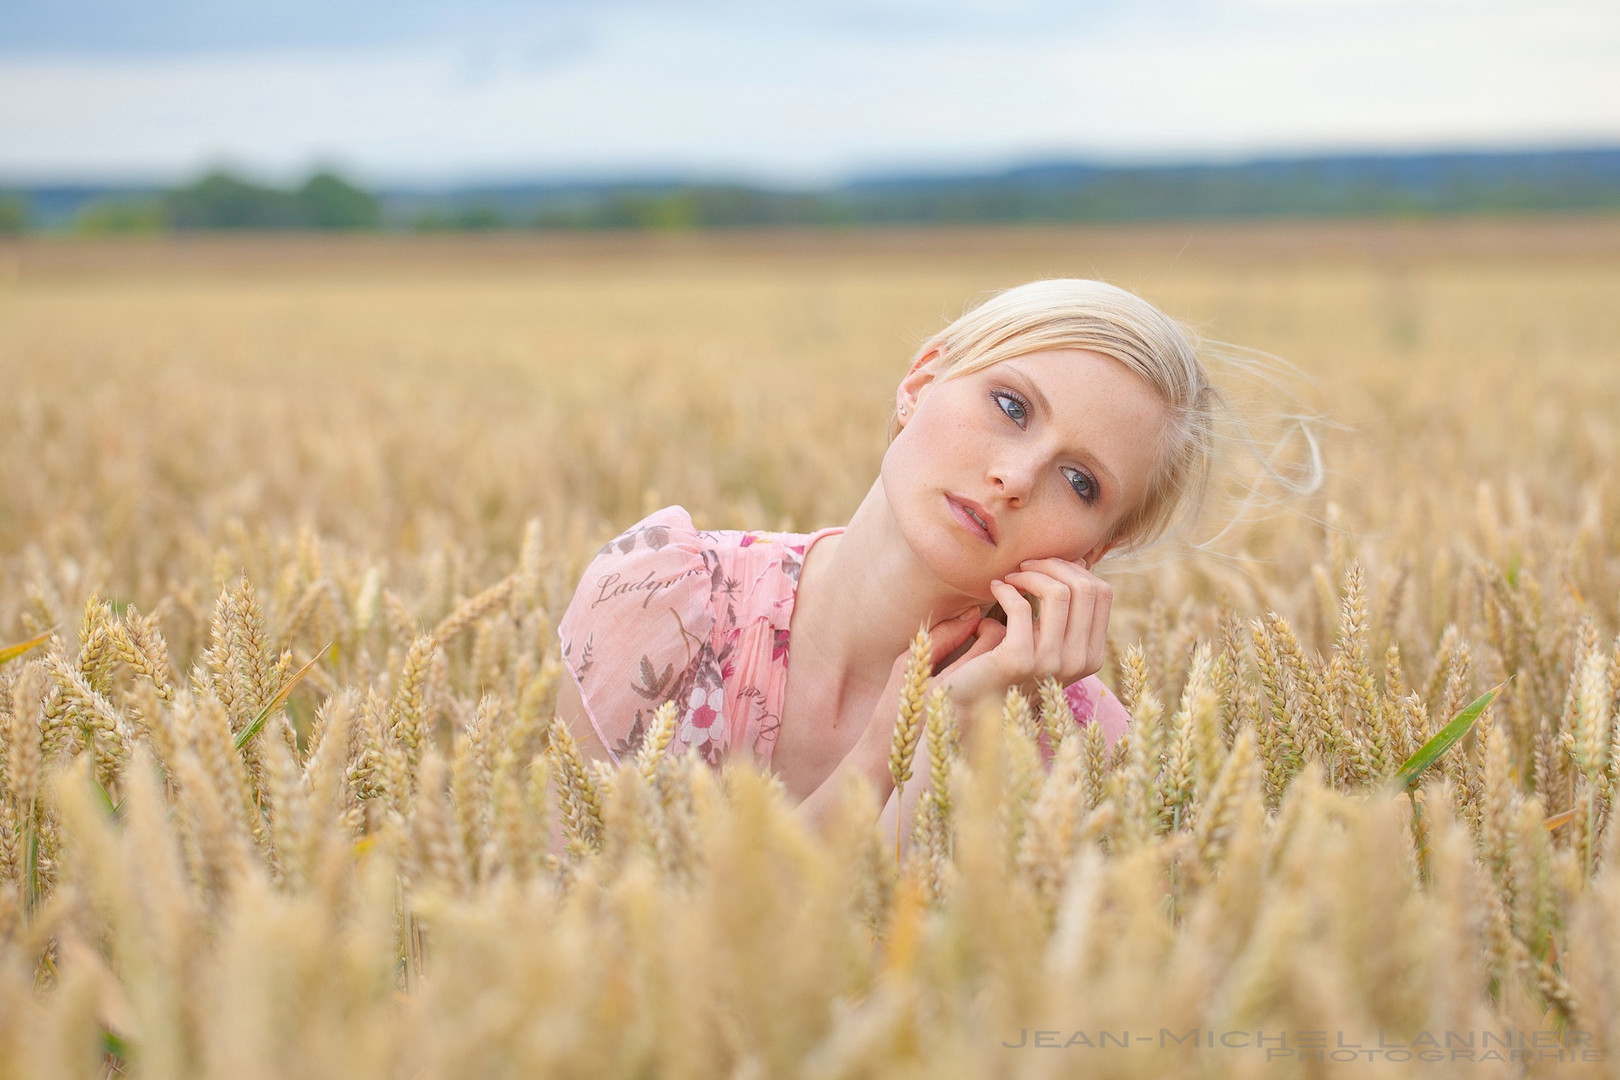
{"x": 1411, "y": 184}
{"x": 222, "y": 201}
{"x": 218, "y": 201}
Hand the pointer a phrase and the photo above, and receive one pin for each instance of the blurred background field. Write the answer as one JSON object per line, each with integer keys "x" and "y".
{"x": 417, "y": 397}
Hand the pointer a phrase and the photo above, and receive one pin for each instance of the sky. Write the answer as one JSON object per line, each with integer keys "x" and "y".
{"x": 410, "y": 92}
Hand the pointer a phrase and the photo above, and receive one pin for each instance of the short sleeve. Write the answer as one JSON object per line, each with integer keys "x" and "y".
{"x": 638, "y": 623}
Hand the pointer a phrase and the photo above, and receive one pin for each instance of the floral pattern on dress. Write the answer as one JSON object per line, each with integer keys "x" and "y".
{"x": 630, "y": 745}
{"x": 1080, "y": 702}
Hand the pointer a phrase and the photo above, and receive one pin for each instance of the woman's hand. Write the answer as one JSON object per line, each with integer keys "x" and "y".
{"x": 945, "y": 637}
{"x": 1067, "y": 641}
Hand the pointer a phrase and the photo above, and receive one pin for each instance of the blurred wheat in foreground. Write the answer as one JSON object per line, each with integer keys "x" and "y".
{"x": 291, "y": 811}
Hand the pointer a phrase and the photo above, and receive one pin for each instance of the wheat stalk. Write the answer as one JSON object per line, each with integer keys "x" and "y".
{"x": 469, "y": 612}
{"x": 579, "y": 798}
{"x": 908, "y": 724}
{"x": 656, "y": 742}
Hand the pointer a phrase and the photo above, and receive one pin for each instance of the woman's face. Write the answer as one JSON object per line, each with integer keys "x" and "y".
{"x": 1035, "y": 457}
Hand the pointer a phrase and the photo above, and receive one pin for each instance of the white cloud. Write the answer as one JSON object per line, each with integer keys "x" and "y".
{"x": 725, "y": 89}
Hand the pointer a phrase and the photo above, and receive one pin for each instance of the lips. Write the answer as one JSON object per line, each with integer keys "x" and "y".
{"x": 973, "y": 517}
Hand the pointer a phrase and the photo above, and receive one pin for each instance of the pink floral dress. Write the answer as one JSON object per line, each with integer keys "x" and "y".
{"x": 666, "y": 611}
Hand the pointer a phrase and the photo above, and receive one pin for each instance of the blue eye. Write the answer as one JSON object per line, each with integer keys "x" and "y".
{"x": 1016, "y": 408}
{"x": 1084, "y": 486}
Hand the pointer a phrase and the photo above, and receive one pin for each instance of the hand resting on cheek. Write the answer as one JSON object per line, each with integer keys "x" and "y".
{"x": 978, "y": 655}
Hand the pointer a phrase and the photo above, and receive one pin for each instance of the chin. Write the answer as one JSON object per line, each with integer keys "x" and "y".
{"x": 951, "y": 562}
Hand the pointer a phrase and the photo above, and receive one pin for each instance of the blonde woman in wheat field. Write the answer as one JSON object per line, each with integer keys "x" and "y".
{"x": 1054, "y": 423}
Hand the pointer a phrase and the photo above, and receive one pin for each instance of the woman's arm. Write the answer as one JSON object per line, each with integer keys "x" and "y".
{"x": 571, "y": 707}
{"x": 869, "y": 758}
{"x": 903, "y": 803}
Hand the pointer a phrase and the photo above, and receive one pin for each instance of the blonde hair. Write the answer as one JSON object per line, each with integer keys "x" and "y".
{"x": 1075, "y": 313}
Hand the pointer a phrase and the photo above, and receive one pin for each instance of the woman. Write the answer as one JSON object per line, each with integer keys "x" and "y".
{"x": 1052, "y": 424}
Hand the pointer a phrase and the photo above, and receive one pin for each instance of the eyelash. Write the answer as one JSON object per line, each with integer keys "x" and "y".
{"x": 1005, "y": 397}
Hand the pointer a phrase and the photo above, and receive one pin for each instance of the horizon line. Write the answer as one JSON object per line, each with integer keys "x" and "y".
{"x": 697, "y": 176}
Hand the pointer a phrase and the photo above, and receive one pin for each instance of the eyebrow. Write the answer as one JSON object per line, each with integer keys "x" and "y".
{"x": 1046, "y": 407}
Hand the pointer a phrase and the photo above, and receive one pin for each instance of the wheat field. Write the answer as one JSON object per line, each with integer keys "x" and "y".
{"x": 293, "y": 520}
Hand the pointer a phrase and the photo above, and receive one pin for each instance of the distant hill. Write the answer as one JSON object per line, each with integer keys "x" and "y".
{"x": 1057, "y": 191}
{"x": 1437, "y": 183}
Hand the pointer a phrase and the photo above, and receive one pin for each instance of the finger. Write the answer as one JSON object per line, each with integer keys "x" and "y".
{"x": 1087, "y": 630}
{"x": 968, "y": 677}
{"x": 1097, "y": 646}
{"x": 948, "y": 635}
{"x": 1020, "y": 640}
{"x": 1087, "y": 639}
{"x": 1052, "y": 629}
{"x": 990, "y": 634}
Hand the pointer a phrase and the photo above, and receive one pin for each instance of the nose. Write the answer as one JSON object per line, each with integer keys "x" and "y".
{"x": 1014, "y": 478}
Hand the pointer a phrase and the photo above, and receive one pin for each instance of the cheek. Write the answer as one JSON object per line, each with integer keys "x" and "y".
{"x": 1067, "y": 539}
{"x": 899, "y": 468}
{"x": 915, "y": 451}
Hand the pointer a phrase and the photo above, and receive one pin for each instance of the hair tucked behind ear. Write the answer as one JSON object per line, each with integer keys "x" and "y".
{"x": 1075, "y": 313}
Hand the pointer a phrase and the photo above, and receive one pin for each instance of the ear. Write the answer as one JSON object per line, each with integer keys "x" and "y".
{"x": 911, "y": 389}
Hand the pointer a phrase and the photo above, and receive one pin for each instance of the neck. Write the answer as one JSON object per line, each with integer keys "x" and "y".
{"x": 861, "y": 599}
